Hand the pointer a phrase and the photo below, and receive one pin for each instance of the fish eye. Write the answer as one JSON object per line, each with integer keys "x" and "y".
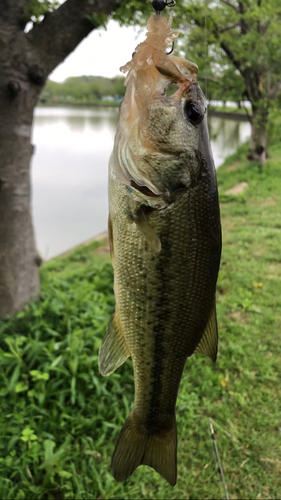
{"x": 194, "y": 112}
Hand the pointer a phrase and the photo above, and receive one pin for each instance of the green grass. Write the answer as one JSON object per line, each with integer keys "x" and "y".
{"x": 60, "y": 419}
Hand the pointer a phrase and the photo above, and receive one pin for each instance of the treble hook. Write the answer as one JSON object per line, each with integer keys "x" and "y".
{"x": 172, "y": 49}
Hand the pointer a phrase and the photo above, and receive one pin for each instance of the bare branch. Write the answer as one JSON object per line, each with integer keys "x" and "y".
{"x": 249, "y": 116}
{"x": 230, "y": 54}
{"x": 230, "y": 5}
{"x": 241, "y": 8}
{"x": 262, "y": 27}
{"x": 228, "y": 27}
{"x": 272, "y": 94}
{"x": 210, "y": 79}
{"x": 63, "y": 29}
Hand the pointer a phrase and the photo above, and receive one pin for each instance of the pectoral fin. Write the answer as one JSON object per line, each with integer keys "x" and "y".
{"x": 208, "y": 344}
{"x": 113, "y": 352}
{"x": 151, "y": 237}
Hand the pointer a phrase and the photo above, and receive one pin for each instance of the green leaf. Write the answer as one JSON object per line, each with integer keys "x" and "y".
{"x": 49, "y": 447}
{"x": 28, "y": 434}
{"x": 64, "y": 473}
{"x": 14, "y": 377}
{"x": 37, "y": 375}
{"x": 21, "y": 387}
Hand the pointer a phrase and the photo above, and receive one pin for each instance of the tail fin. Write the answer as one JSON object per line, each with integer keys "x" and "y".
{"x": 135, "y": 446}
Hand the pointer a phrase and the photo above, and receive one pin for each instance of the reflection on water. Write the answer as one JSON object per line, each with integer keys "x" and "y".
{"x": 69, "y": 171}
{"x": 78, "y": 119}
{"x": 226, "y": 136}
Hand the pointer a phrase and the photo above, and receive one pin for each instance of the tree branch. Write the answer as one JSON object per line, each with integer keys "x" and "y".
{"x": 62, "y": 30}
{"x": 247, "y": 113}
{"x": 228, "y": 27}
{"x": 230, "y": 5}
{"x": 11, "y": 10}
{"x": 231, "y": 56}
{"x": 262, "y": 27}
{"x": 243, "y": 24}
{"x": 272, "y": 94}
{"x": 210, "y": 79}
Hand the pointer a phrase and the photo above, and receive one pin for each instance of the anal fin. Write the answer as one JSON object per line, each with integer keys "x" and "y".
{"x": 208, "y": 344}
{"x": 113, "y": 352}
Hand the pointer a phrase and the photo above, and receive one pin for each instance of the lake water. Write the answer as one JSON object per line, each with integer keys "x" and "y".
{"x": 69, "y": 171}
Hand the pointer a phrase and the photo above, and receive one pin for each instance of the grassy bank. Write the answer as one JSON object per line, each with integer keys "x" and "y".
{"x": 60, "y": 419}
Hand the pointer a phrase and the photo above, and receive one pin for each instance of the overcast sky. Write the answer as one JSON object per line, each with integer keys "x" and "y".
{"x": 101, "y": 53}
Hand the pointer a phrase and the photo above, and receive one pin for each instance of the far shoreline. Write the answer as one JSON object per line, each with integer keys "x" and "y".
{"x": 101, "y": 104}
{"x": 216, "y": 112}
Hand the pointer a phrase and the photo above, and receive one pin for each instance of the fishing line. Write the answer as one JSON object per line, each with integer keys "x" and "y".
{"x": 158, "y": 6}
{"x": 219, "y": 461}
{"x": 205, "y": 36}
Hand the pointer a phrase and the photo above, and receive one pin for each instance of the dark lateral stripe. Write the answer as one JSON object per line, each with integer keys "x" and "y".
{"x": 163, "y": 313}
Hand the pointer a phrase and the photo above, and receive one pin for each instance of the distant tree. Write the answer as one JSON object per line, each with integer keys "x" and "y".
{"x": 83, "y": 89}
{"x": 237, "y": 44}
{"x": 118, "y": 89}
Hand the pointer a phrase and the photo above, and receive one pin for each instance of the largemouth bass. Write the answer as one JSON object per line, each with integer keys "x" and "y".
{"x": 165, "y": 240}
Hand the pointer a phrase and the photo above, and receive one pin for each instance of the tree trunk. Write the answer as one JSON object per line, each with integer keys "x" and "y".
{"x": 21, "y": 80}
{"x": 26, "y": 60}
{"x": 258, "y": 143}
{"x": 19, "y": 278}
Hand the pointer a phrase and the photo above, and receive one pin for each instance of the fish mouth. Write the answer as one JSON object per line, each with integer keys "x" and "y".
{"x": 163, "y": 199}
{"x": 144, "y": 190}
{"x": 133, "y": 145}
